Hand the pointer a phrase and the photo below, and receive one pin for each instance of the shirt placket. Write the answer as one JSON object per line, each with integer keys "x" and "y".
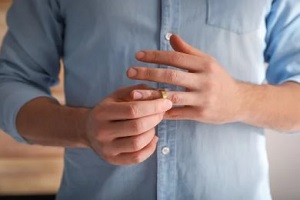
{"x": 166, "y": 149}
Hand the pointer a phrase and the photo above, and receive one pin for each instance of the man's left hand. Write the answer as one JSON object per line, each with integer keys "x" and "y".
{"x": 211, "y": 96}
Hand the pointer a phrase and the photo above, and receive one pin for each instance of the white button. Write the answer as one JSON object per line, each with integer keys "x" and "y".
{"x": 165, "y": 151}
{"x": 168, "y": 36}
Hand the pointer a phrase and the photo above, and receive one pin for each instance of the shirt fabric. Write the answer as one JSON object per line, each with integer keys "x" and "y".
{"x": 97, "y": 40}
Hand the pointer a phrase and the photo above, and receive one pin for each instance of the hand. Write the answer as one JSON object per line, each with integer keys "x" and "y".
{"x": 211, "y": 96}
{"x": 122, "y": 131}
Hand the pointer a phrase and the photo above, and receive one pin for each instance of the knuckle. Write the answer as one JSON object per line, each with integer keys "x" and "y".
{"x": 209, "y": 66}
{"x": 176, "y": 99}
{"x": 208, "y": 102}
{"x": 176, "y": 58}
{"x": 99, "y": 138}
{"x": 137, "y": 126}
{"x": 103, "y": 134}
{"x": 132, "y": 110}
{"x": 209, "y": 86}
{"x": 202, "y": 113}
{"x": 137, "y": 144}
{"x": 171, "y": 75}
{"x": 148, "y": 73}
{"x": 137, "y": 157}
{"x": 105, "y": 153}
{"x": 211, "y": 95}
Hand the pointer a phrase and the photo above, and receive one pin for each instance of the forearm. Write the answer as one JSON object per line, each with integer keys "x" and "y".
{"x": 43, "y": 121}
{"x": 274, "y": 107}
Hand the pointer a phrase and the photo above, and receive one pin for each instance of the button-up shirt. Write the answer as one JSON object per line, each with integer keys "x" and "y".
{"x": 97, "y": 40}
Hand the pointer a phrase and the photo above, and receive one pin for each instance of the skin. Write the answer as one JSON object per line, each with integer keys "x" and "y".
{"x": 118, "y": 129}
{"x": 121, "y": 128}
{"x": 212, "y": 95}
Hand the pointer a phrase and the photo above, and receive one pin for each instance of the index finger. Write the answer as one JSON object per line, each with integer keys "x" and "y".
{"x": 172, "y": 58}
{"x": 135, "y": 109}
{"x": 123, "y": 93}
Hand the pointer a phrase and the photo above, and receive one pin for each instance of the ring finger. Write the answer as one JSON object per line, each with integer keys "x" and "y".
{"x": 177, "y": 97}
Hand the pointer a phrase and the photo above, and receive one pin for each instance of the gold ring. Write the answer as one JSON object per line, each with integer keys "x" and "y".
{"x": 163, "y": 93}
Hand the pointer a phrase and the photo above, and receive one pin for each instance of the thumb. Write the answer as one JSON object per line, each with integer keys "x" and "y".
{"x": 178, "y": 44}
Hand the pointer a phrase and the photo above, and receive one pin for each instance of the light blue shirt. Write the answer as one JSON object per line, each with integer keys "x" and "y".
{"x": 97, "y": 40}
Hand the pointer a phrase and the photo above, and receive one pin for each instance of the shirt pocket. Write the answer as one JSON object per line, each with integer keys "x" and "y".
{"x": 238, "y": 16}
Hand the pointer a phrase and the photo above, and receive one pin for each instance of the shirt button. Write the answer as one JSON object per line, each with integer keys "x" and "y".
{"x": 168, "y": 36}
{"x": 165, "y": 151}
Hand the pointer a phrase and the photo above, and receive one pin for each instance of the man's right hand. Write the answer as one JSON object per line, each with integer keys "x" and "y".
{"x": 122, "y": 131}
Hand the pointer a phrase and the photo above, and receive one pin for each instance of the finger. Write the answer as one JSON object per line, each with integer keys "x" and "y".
{"x": 123, "y": 94}
{"x": 137, "y": 157}
{"x": 182, "y": 113}
{"x": 169, "y": 76}
{"x": 178, "y": 44}
{"x": 133, "y": 143}
{"x": 173, "y": 58}
{"x": 177, "y": 97}
{"x": 133, "y": 110}
{"x": 135, "y": 96}
{"x": 134, "y": 127}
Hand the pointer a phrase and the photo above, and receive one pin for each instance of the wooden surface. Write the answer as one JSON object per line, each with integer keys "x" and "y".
{"x": 4, "y": 4}
{"x": 27, "y": 169}
{"x": 30, "y": 176}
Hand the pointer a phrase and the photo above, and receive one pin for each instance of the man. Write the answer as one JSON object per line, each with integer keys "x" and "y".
{"x": 122, "y": 139}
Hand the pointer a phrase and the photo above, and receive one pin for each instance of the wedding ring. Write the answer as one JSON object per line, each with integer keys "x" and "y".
{"x": 163, "y": 93}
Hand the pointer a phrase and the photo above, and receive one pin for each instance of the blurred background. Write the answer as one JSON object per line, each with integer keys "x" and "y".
{"x": 30, "y": 172}
{"x": 34, "y": 172}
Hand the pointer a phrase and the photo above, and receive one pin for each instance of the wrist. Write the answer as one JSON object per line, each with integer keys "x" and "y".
{"x": 244, "y": 101}
{"x": 81, "y": 129}
{"x": 75, "y": 119}
{"x": 250, "y": 98}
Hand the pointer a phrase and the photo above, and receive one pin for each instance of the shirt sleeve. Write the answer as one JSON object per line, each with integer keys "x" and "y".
{"x": 283, "y": 42}
{"x": 29, "y": 57}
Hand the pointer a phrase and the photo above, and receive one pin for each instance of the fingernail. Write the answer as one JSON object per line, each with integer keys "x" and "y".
{"x": 167, "y": 104}
{"x": 140, "y": 55}
{"x": 137, "y": 95}
{"x": 132, "y": 72}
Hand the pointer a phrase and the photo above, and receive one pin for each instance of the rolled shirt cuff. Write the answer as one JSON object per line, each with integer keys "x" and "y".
{"x": 13, "y": 96}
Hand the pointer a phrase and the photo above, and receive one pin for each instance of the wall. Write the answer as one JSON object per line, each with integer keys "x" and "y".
{"x": 284, "y": 158}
